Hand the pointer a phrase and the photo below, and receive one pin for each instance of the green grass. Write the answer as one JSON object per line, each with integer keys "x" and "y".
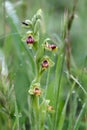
{"x": 67, "y": 93}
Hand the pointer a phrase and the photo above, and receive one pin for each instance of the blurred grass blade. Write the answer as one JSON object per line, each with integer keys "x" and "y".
{"x": 73, "y": 110}
{"x": 16, "y": 123}
{"x": 77, "y": 82}
{"x": 57, "y": 84}
{"x": 78, "y": 121}
{"x": 15, "y": 28}
{"x": 72, "y": 77}
{"x": 12, "y": 14}
{"x": 22, "y": 63}
{"x": 3, "y": 66}
{"x": 63, "y": 114}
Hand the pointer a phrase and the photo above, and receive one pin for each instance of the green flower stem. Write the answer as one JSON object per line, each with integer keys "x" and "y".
{"x": 43, "y": 111}
{"x": 34, "y": 102}
{"x": 32, "y": 38}
{"x": 38, "y": 76}
{"x": 35, "y": 109}
{"x": 42, "y": 120}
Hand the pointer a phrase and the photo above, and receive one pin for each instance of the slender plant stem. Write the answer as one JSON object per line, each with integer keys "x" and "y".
{"x": 63, "y": 114}
{"x": 80, "y": 116}
{"x": 36, "y": 112}
{"x": 48, "y": 75}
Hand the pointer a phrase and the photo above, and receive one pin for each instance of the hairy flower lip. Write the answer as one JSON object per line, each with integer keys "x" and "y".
{"x": 30, "y": 40}
{"x": 52, "y": 46}
{"x": 50, "y": 108}
{"x": 37, "y": 91}
{"x": 45, "y": 64}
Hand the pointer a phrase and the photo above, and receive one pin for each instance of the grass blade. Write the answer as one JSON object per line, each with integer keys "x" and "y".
{"x": 77, "y": 124}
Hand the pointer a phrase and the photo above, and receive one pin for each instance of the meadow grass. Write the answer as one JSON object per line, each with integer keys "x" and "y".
{"x": 64, "y": 84}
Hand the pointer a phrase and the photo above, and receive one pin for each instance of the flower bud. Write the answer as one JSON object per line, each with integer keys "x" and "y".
{"x": 27, "y": 23}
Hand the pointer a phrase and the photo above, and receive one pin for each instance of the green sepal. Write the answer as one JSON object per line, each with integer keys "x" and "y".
{"x": 28, "y": 33}
{"x": 47, "y": 43}
{"x": 46, "y": 47}
{"x": 39, "y": 13}
{"x": 46, "y": 40}
{"x": 37, "y": 16}
{"x": 31, "y": 91}
{"x": 33, "y": 85}
{"x": 37, "y": 26}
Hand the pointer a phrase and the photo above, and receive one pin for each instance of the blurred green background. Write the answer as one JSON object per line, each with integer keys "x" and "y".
{"x": 16, "y": 64}
{"x": 53, "y": 15}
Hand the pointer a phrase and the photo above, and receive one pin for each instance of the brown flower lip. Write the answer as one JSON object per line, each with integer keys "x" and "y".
{"x": 30, "y": 40}
{"x": 45, "y": 64}
{"x": 52, "y": 46}
{"x": 37, "y": 91}
{"x": 50, "y": 108}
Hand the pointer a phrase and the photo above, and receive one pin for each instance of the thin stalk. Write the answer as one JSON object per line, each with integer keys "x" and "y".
{"x": 58, "y": 92}
{"x": 63, "y": 114}
{"x": 82, "y": 71}
{"x": 80, "y": 116}
{"x": 48, "y": 76}
{"x": 42, "y": 120}
{"x": 82, "y": 88}
{"x": 36, "y": 112}
{"x": 34, "y": 102}
{"x": 30, "y": 111}
{"x": 73, "y": 109}
{"x": 17, "y": 116}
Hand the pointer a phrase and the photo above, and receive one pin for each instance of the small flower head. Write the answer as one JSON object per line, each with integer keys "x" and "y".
{"x": 50, "y": 47}
{"x": 50, "y": 109}
{"x": 37, "y": 91}
{"x": 45, "y": 64}
{"x": 30, "y": 40}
